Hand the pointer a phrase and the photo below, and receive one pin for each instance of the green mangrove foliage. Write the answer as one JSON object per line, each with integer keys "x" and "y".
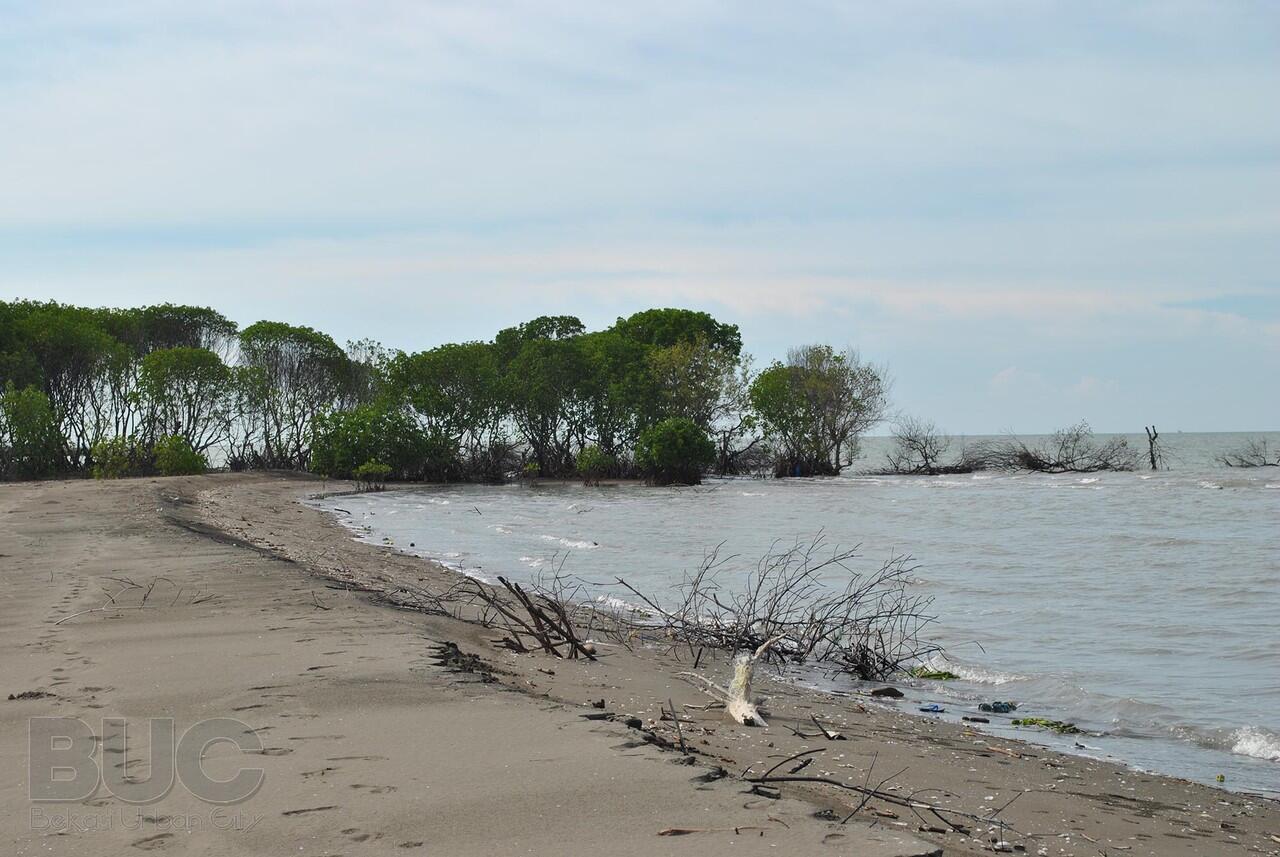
{"x": 674, "y": 451}
{"x": 666, "y": 394}
{"x": 816, "y": 406}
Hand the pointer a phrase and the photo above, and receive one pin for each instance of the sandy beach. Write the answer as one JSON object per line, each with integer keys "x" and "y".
{"x": 225, "y": 597}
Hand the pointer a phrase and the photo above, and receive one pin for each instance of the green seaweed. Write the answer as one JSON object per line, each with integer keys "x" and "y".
{"x": 935, "y": 675}
{"x": 1045, "y": 723}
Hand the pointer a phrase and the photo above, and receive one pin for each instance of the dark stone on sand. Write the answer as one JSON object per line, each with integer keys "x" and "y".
{"x": 889, "y": 692}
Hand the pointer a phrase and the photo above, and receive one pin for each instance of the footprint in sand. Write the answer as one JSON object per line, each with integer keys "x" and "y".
{"x": 152, "y": 843}
{"x": 271, "y": 751}
{"x": 355, "y": 834}
{"x": 319, "y": 772}
{"x": 375, "y": 790}
{"x": 309, "y": 810}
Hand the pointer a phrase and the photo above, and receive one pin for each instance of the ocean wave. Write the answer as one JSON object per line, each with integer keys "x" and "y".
{"x": 498, "y": 528}
{"x": 974, "y": 674}
{"x": 1258, "y": 743}
{"x": 571, "y": 543}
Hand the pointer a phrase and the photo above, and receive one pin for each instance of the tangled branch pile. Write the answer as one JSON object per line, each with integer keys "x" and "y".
{"x": 1069, "y": 450}
{"x": 808, "y": 599}
{"x": 1255, "y": 453}
{"x": 919, "y": 449}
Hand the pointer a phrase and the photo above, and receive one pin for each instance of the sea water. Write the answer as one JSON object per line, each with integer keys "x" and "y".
{"x": 1143, "y": 606}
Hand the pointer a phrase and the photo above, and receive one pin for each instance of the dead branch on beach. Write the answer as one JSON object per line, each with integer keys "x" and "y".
{"x": 952, "y": 819}
{"x": 126, "y": 585}
{"x": 531, "y": 617}
{"x": 809, "y": 601}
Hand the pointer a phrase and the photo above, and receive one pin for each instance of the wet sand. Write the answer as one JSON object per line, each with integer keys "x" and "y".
{"x": 263, "y": 610}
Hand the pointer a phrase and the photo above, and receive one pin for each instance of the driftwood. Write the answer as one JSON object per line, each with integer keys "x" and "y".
{"x": 736, "y": 697}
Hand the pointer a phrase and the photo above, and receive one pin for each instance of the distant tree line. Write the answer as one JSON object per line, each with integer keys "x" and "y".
{"x": 666, "y": 394}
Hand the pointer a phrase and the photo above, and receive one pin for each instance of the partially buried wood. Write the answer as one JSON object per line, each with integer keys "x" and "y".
{"x": 737, "y": 696}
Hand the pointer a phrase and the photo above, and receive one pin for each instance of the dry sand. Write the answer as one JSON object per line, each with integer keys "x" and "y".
{"x": 370, "y": 747}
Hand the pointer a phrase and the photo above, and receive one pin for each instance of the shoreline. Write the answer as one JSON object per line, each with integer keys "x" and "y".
{"x": 1097, "y": 740}
{"x": 268, "y": 554}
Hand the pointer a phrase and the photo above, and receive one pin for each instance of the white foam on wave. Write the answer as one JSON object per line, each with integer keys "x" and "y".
{"x": 571, "y": 543}
{"x": 1089, "y": 480}
{"x": 435, "y": 501}
{"x": 532, "y": 561}
{"x": 498, "y": 528}
{"x": 752, "y": 493}
{"x": 613, "y": 602}
{"x": 1207, "y": 484}
{"x": 1251, "y": 741}
{"x": 977, "y": 675}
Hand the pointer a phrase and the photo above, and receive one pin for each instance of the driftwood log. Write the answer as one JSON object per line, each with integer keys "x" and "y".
{"x": 737, "y": 697}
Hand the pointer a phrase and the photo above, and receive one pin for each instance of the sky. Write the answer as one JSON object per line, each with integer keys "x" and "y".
{"x": 1031, "y": 212}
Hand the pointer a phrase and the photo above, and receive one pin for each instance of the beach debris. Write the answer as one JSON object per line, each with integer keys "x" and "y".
{"x": 1013, "y": 754}
{"x": 713, "y": 774}
{"x": 599, "y": 703}
{"x": 932, "y": 674}
{"x": 545, "y": 619}
{"x": 31, "y": 694}
{"x": 888, "y": 693}
{"x": 737, "y": 696}
{"x": 946, "y": 815}
{"x": 449, "y": 656}
{"x": 998, "y": 707}
{"x": 933, "y": 708}
{"x": 1058, "y": 726}
{"x": 685, "y": 831}
{"x": 864, "y": 624}
{"x": 679, "y": 732}
{"x": 826, "y": 733}
{"x": 969, "y": 719}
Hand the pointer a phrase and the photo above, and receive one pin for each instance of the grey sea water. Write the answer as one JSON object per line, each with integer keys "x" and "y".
{"x": 1143, "y": 606}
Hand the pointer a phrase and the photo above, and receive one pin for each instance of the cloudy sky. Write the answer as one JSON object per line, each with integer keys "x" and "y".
{"x": 1033, "y": 212}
